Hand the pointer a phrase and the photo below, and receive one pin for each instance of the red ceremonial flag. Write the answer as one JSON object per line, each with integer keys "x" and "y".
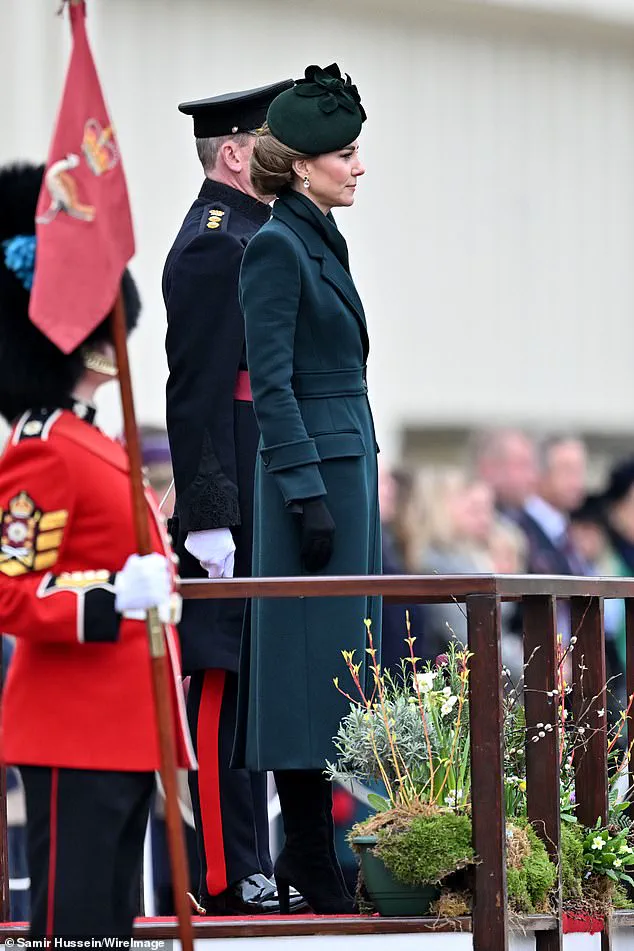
{"x": 83, "y": 221}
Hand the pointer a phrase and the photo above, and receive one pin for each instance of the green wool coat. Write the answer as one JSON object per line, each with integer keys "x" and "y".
{"x": 307, "y": 345}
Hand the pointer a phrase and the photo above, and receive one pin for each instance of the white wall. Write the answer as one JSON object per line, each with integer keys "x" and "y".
{"x": 599, "y": 9}
{"x": 493, "y": 236}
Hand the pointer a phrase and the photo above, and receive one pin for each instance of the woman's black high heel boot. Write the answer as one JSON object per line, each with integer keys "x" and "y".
{"x": 305, "y": 861}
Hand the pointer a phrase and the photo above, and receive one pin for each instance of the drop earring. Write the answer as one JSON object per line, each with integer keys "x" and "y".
{"x": 306, "y": 181}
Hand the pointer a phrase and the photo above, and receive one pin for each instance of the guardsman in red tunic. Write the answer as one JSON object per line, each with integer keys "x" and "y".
{"x": 77, "y": 713}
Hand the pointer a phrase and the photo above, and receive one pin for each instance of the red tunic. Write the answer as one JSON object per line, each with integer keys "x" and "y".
{"x": 74, "y": 697}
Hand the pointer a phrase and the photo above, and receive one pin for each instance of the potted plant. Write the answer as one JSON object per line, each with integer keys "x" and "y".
{"x": 597, "y": 864}
{"x": 411, "y": 736}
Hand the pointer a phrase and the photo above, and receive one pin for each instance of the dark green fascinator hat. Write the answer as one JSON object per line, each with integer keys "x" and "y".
{"x": 321, "y": 113}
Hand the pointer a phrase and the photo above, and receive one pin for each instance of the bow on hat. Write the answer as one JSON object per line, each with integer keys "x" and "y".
{"x": 334, "y": 93}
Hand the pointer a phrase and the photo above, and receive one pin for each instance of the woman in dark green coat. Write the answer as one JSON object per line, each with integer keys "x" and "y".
{"x": 316, "y": 499}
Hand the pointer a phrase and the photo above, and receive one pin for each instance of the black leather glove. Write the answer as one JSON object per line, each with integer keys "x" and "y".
{"x": 317, "y": 534}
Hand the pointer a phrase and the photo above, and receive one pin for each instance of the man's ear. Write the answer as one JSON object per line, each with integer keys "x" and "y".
{"x": 229, "y": 154}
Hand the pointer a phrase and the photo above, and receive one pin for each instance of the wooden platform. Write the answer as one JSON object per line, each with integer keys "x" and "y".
{"x": 278, "y": 926}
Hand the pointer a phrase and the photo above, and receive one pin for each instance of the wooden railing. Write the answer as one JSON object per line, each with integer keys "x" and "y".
{"x": 481, "y": 595}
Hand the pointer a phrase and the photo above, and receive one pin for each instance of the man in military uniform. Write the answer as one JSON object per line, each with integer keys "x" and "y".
{"x": 213, "y": 439}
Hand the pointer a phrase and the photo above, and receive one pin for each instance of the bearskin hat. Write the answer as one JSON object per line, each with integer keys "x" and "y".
{"x": 33, "y": 371}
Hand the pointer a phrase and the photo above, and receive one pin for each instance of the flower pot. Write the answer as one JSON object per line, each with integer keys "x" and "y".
{"x": 391, "y": 899}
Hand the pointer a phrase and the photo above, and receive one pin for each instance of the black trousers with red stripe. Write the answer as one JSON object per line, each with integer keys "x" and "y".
{"x": 85, "y": 832}
{"x": 230, "y": 805}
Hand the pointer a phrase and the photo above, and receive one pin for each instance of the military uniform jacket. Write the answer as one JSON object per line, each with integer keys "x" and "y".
{"x": 78, "y": 692}
{"x": 213, "y": 437}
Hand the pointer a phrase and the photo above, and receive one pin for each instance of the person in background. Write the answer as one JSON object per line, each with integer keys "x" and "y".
{"x": 213, "y": 437}
{"x": 591, "y": 535}
{"x": 508, "y": 549}
{"x": 617, "y": 506}
{"x": 506, "y": 459}
{"x": 545, "y": 517}
{"x": 395, "y": 498}
{"x": 455, "y": 518}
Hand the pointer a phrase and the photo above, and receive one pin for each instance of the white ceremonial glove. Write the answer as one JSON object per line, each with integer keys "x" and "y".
{"x": 143, "y": 582}
{"x": 215, "y": 549}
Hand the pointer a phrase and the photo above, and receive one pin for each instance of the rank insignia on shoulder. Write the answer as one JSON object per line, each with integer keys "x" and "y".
{"x": 29, "y": 538}
{"x": 214, "y": 218}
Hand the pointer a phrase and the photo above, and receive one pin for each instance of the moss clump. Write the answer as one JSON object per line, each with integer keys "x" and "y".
{"x": 572, "y": 863}
{"x": 452, "y": 904}
{"x": 620, "y": 898}
{"x": 530, "y": 873}
{"x": 428, "y": 850}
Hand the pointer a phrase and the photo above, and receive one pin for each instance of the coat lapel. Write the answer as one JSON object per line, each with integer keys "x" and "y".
{"x": 331, "y": 270}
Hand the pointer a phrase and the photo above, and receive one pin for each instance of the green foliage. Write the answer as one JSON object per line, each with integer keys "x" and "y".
{"x": 517, "y": 890}
{"x": 540, "y": 872}
{"x": 428, "y": 850}
{"x": 607, "y": 852}
{"x": 620, "y": 898}
{"x": 530, "y": 873}
{"x": 572, "y": 863}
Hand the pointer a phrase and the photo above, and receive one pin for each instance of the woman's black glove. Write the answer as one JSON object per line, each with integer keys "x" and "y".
{"x": 317, "y": 532}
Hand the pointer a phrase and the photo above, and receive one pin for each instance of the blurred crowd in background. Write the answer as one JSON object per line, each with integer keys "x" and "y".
{"x": 519, "y": 505}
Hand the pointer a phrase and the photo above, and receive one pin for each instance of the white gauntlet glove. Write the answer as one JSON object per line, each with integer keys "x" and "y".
{"x": 143, "y": 582}
{"x": 215, "y": 549}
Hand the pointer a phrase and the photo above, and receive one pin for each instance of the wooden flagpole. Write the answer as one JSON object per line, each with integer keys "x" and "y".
{"x": 160, "y": 667}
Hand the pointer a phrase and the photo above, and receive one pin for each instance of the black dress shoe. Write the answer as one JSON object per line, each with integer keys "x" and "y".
{"x": 254, "y": 895}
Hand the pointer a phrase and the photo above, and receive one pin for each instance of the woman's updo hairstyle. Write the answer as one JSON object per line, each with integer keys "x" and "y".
{"x": 272, "y": 163}
{"x": 320, "y": 113}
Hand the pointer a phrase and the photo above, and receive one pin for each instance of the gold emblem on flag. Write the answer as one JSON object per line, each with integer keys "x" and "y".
{"x": 99, "y": 147}
{"x": 29, "y": 538}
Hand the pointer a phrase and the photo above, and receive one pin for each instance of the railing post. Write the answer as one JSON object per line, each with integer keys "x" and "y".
{"x": 490, "y": 917}
{"x": 589, "y": 695}
{"x": 542, "y": 754}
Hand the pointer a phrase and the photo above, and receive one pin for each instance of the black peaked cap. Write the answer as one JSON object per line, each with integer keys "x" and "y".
{"x": 233, "y": 112}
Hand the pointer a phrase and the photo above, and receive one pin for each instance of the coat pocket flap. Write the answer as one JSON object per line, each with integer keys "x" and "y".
{"x": 339, "y": 445}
